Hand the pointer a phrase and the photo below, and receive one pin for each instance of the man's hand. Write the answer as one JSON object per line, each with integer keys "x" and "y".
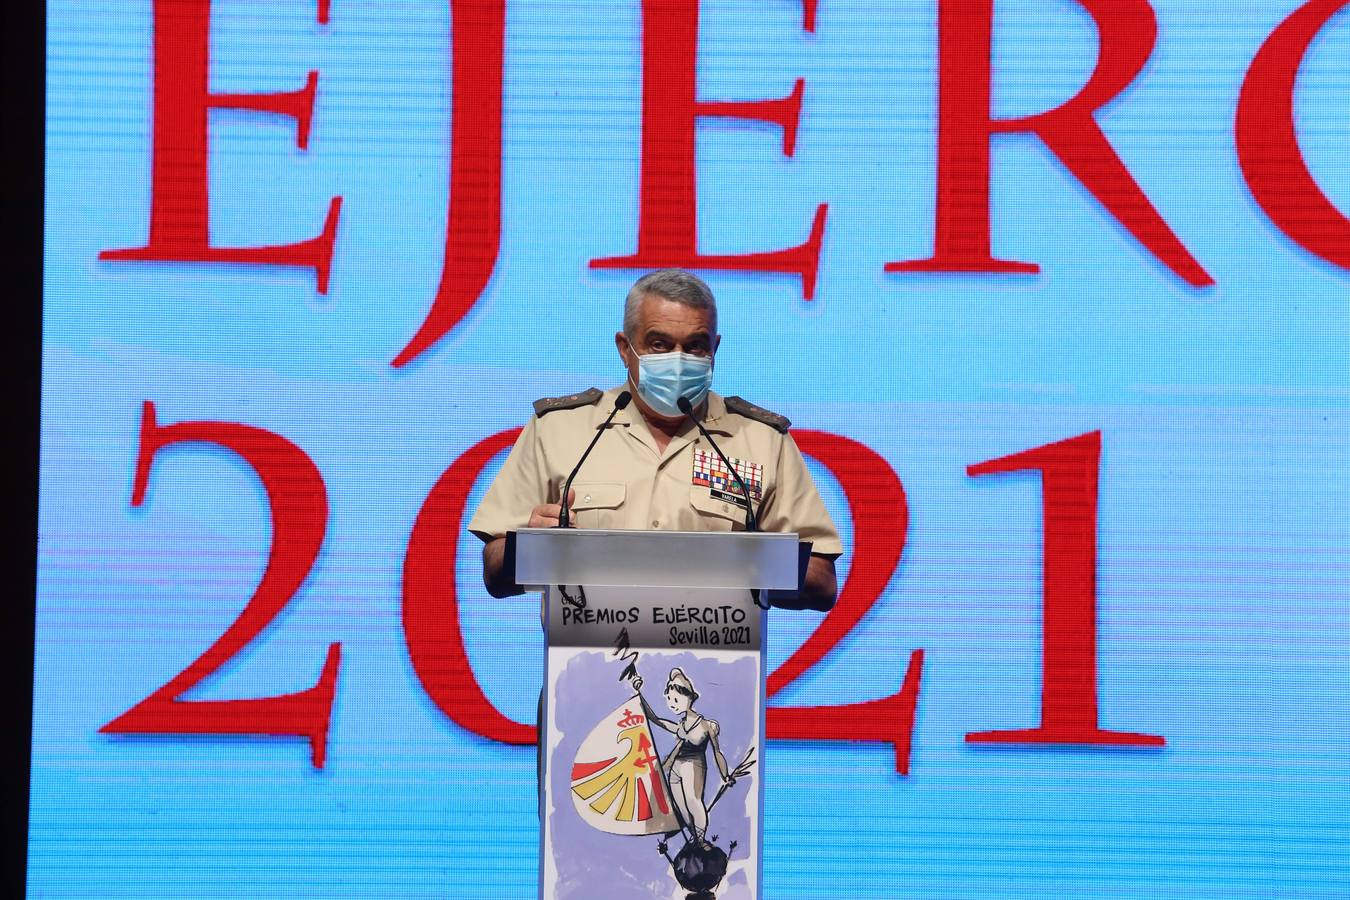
{"x": 546, "y": 515}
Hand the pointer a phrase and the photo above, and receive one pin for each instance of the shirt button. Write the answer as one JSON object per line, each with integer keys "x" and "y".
{"x": 586, "y": 499}
{"x": 656, "y": 523}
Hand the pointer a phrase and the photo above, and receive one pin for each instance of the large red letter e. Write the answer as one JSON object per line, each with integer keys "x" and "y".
{"x": 667, "y": 211}
{"x": 179, "y": 201}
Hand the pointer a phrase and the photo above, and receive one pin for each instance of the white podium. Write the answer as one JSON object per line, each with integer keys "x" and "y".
{"x": 652, "y": 719}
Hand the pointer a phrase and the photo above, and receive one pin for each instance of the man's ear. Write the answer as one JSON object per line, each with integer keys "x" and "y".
{"x": 621, "y": 344}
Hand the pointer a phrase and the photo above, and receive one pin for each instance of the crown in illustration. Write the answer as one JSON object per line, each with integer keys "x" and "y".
{"x": 629, "y": 719}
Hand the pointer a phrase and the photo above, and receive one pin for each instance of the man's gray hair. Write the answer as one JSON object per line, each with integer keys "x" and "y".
{"x": 669, "y": 284}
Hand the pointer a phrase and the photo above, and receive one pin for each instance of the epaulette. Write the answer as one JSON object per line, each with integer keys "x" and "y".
{"x": 546, "y": 405}
{"x": 758, "y": 413}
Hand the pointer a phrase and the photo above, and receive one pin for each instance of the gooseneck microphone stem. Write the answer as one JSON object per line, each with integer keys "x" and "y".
{"x": 564, "y": 514}
{"x": 751, "y": 519}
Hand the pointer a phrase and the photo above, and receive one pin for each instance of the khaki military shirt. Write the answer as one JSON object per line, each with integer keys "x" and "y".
{"x": 627, "y": 483}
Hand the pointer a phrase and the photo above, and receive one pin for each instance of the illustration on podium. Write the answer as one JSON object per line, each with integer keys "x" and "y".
{"x": 627, "y": 781}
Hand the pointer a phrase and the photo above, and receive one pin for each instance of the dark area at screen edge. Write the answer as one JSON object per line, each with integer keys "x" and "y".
{"x": 24, "y": 64}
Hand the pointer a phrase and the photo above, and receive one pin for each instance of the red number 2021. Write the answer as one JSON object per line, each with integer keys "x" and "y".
{"x": 299, "y": 511}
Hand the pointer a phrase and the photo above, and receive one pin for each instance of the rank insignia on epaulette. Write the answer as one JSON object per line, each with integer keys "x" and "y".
{"x": 546, "y": 405}
{"x": 745, "y": 408}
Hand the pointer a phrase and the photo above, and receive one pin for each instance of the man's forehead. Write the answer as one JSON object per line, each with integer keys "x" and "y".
{"x": 669, "y": 330}
{"x": 657, "y": 313}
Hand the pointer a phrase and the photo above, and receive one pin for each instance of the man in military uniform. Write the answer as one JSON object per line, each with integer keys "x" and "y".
{"x": 655, "y": 471}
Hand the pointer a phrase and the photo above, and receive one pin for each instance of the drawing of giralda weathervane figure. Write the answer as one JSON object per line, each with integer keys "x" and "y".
{"x": 620, "y": 784}
{"x": 686, "y": 766}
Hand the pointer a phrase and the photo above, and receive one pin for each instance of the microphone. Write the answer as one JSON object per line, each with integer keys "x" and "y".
{"x": 564, "y": 515}
{"x": 751, "y": 520}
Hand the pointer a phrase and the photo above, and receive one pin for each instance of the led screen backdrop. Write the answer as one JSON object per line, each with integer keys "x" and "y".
{"x": 1055, "y": 293}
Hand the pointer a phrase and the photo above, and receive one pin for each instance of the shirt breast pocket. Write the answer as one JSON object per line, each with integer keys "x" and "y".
{"x": 714, "y": 514}
{"x": 599, "y": 504}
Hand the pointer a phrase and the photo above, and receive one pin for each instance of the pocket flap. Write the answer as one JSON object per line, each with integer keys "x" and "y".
{"x": 702, "y": 499}
{"x": 598, "y": 495}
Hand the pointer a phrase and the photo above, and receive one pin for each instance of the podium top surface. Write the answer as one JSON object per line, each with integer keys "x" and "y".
{"x": 694, "y": 559}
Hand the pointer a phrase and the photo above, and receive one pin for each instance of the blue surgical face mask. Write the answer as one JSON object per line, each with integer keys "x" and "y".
{"x": 663, "y": 378}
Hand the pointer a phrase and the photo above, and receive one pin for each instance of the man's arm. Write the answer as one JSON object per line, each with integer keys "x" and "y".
{"x": 794, "y": 504}
{"x": 496, "y": 579}
{"x": 817, "y": 593}
{"x": 501, "y": 583}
